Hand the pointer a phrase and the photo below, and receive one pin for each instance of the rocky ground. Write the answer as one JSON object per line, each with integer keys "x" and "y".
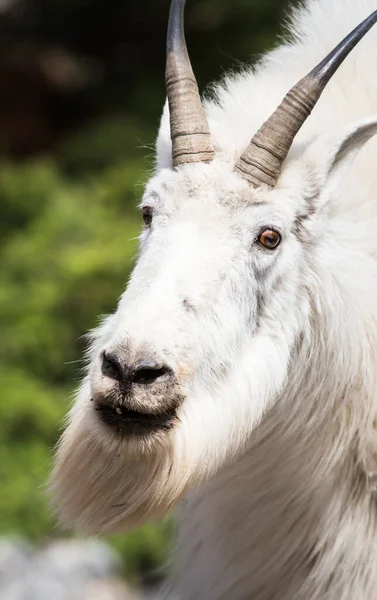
{"x": 62, "y": 570}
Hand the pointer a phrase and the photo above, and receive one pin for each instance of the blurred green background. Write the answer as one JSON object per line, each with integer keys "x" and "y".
{"x": 82, "y": 90}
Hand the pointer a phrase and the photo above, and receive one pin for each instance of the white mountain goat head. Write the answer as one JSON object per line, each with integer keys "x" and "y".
{"x": 201, "y": 344}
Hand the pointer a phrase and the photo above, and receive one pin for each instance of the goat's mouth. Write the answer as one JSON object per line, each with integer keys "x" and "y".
{"x": 125, "y": 421}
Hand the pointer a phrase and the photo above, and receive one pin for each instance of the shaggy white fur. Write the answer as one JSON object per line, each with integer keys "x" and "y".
{"x": 275, "y": 449}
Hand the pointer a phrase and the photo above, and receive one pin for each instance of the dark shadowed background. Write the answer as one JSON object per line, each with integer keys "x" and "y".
{"x": 82, "y": 90}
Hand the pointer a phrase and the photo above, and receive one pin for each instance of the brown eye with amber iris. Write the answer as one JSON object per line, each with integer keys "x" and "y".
{"x": 147, "y": 215}
{"x": 269, "y": 238}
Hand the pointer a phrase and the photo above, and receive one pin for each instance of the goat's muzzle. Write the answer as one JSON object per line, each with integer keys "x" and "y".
{"x": 140, "y": 398}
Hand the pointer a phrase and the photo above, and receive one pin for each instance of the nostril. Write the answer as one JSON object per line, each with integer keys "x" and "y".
{"x": 111, "y": 367}
{"x": 146, "y": 373}
{"x": 143, "y": 372}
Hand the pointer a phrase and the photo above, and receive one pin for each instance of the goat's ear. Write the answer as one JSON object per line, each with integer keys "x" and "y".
{"x": 329, "y": 154}
{"x": 163, "y": 144}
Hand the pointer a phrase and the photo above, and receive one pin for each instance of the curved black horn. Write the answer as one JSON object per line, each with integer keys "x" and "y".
{"x": 189, "y": 128}
{"x": 262, "y": 160}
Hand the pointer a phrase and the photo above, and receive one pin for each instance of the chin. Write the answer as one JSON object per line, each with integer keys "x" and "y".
{"x": 109, "y": 479}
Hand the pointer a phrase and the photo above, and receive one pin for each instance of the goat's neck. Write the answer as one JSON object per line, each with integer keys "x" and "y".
{"x": 295, "y": 515}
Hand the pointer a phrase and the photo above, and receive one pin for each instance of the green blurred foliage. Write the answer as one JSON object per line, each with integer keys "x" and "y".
{"x": 67, "y": 246}
{"x": 69, "y": 225}
{"x": 68, "y": 240}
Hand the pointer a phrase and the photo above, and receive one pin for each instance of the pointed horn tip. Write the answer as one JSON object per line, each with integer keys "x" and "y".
{"x": 323, "y": 72}
{"x": 285, "y": 122}
{"x": 175, "y": 36}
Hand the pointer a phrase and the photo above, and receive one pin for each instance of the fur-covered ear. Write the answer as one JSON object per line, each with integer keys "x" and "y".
{"x": 318, "y": 168}
{"x": 330, "y": 153}
{"x": 163, "y": 144}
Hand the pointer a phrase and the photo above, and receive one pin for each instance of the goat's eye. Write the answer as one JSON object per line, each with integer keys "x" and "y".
{"x": 147, "y": 215}
{"x": 269, "y": 238}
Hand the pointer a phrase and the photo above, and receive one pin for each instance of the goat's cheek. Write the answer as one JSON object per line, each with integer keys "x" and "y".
{"x": 185, "y": 373}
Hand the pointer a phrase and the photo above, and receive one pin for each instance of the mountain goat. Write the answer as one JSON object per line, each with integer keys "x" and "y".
{"x": 238, "y": 375}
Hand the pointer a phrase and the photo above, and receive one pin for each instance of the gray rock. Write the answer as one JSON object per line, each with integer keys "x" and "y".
{"x": 78, "y": 560}
{"x": 30, "y": 589}
{"x": 63, "y": 570}
{"x": 15, "y": 558}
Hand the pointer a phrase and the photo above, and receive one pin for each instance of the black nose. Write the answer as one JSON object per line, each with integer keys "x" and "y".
{"x": 143, "y": 372}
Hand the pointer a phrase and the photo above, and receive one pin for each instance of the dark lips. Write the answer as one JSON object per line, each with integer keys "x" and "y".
{"x": 131, "y": 422}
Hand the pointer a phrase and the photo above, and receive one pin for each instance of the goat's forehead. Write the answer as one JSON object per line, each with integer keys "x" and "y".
{"x": 213, "y": 184}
